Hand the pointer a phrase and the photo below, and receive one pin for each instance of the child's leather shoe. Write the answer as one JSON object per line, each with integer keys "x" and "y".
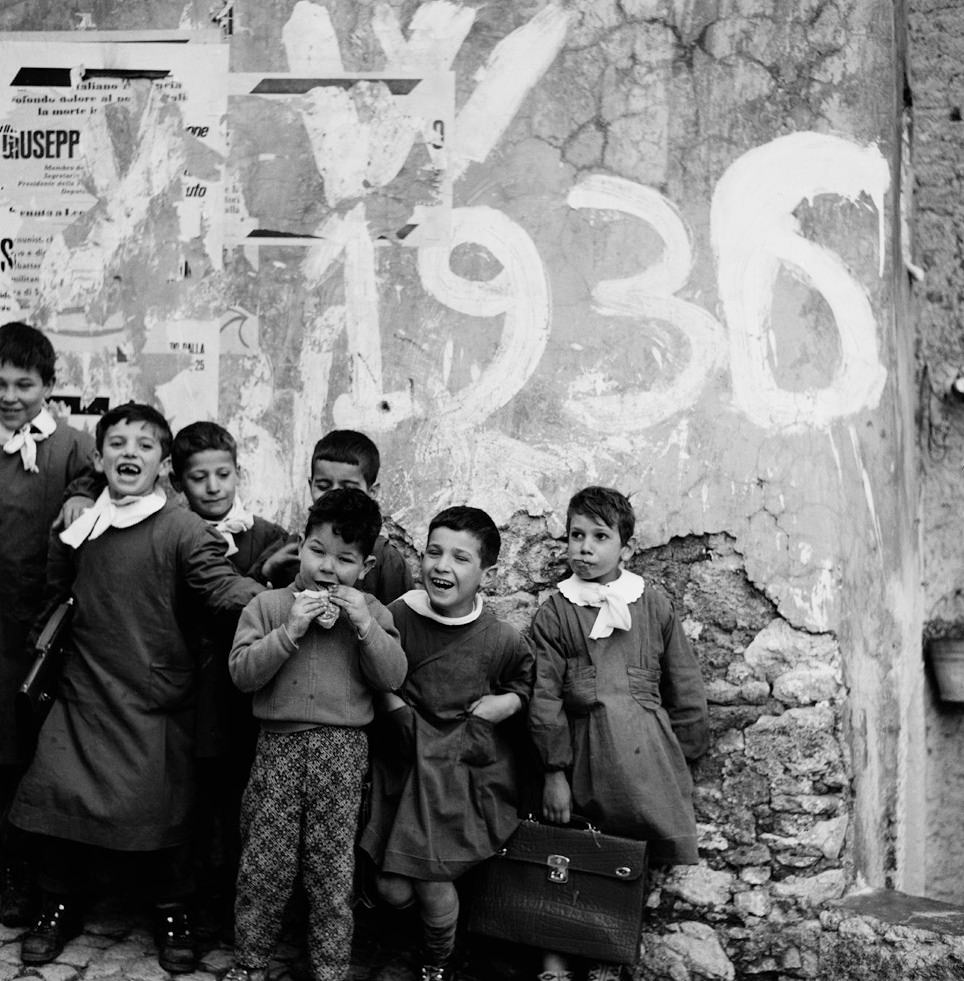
{"x": 174, "y": 935}
{"x": 239, "y": 973}
{"x": 435, "y": 972}
{"x": 57, "y": 923}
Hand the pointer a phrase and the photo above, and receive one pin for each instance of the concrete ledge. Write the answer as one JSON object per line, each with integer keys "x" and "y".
{"x": 900, "y": 909}
{"x": 882, "y": 935}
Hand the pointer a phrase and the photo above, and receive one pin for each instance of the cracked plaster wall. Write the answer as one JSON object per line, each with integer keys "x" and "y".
{"x": 676, "y": 275}
{"x": 936, "y": 33}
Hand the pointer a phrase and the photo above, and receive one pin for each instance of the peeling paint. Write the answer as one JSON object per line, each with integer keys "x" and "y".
{"x": 435, "y": 34}
{"x": 516, "y": 64}
{"x": 310, "y": 40}
{"x": 868, "y": 493}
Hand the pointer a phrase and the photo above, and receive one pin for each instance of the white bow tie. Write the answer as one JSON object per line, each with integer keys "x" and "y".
{"x": 236, "y": 521}
{"x": 613, "y": 600}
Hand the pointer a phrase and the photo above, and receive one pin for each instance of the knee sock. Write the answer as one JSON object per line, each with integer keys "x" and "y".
{"x": 438, "y": 935}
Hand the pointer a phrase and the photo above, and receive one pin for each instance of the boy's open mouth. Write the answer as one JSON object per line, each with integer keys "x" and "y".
{"x": 441, "y": 583}
{"x": 128, "y": 469}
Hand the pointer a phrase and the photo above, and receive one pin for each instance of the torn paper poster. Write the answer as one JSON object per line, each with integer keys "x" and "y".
{"x": 182, "y": 359}
{"x": 308, "y": 148}
{"x": 92, "y": 136}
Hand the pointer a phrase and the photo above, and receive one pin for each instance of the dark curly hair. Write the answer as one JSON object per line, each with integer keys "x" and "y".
{"x": 352, "y": 514}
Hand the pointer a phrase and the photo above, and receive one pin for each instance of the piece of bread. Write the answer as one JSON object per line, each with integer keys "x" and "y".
{"x": 329, "y": 614}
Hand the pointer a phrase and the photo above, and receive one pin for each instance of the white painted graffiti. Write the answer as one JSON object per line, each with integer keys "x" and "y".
{"x": 753, "y": 232}
{"x": 649, "y": 297}
{"x": 519, "y": 293}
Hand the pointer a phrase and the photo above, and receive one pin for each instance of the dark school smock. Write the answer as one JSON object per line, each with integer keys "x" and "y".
{"x": 29, "y": 503}
{"x": 445, "y": 783}
{"x": 224, "y": 717}
{"x": 114, "y": 765}
{"x": 622, "y": 715}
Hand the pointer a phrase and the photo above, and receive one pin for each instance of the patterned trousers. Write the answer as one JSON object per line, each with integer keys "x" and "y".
{"x": 300, "y": 813}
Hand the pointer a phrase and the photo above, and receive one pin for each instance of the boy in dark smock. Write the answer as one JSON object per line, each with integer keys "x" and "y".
{"x": 342, "y": 458}
{"x": 40, "y": 457}
{"x": 204, "y": 468}
{"x": 618, "y": 706}
{"x": 113, "y": 773}
{"x": 445, "y": 781}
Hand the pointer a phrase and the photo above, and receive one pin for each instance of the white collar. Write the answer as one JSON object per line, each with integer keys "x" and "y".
{"x": 108, "y": 513}
{"x": 417, "y": 600}
{"x": 236, "y": 521}
{"x": 24, "y": 441}
{"x": 612, "y": 598}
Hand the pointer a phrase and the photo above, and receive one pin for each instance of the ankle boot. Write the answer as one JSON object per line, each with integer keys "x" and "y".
{"x": 58, "y": 922}
{"x": 174, "y": 935}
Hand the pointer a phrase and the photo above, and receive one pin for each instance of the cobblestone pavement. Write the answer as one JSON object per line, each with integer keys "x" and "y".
{"x": 117, "y": 945}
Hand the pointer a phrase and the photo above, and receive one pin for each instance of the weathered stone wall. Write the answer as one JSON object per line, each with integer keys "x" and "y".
{"x": 675, "y": 268}
{"x": 936, "y": 35}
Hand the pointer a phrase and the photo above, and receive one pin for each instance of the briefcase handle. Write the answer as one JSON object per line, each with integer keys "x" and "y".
{"x": 575, "y": 821}
{"x": 35, "y": 696}
{"x": 54, "y": 625}
{"x": 558, "y": 864}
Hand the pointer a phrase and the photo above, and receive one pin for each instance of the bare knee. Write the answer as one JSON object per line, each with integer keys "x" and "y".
{"x": 396, "y": 890}
{"x": 436, "y": 898}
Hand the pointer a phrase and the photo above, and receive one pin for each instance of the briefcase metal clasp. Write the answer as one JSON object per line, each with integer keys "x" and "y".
{"x": 558, "y": 868}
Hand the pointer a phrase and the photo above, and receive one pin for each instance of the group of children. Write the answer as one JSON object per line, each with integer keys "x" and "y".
{"x": 218, "y": 666}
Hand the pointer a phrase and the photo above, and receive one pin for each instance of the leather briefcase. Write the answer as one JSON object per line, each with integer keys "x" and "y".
{"x": 566, "y": 889}
{"x": 37, "y": 693}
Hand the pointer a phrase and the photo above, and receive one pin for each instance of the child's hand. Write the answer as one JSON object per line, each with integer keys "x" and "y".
{"x": 387, "y": 701}
{"x": 304, "y": 609}
{"x": 496, "y": 708}
{"x": 352, "y": 601}
{"x": 285, "y": 557}
{"x": 73, "y": 508}
{"x": 557, "y": 798}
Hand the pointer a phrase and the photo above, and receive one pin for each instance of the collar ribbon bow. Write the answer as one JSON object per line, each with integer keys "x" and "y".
{"x": 612, "y": 598}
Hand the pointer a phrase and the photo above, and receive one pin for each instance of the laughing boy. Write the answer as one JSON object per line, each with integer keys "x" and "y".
{"x": 112, "y": 782}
